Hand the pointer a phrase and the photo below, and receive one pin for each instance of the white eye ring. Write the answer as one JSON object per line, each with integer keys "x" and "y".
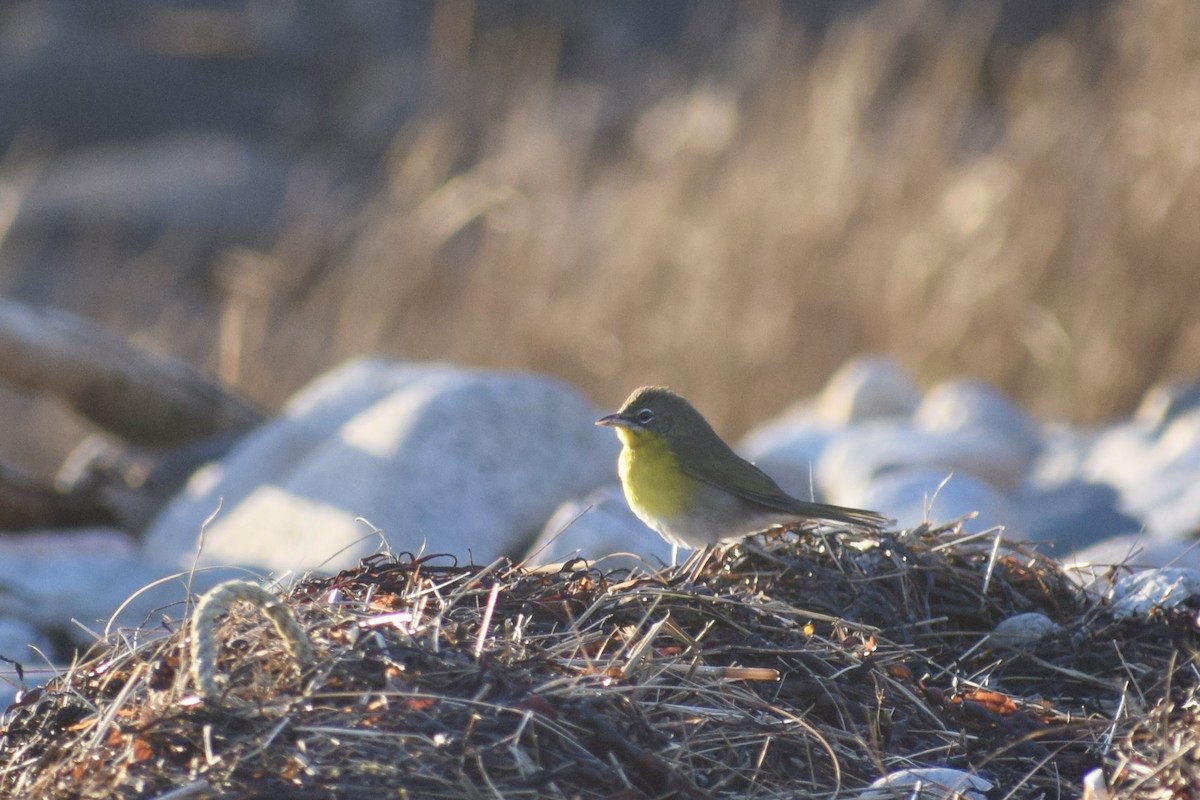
{"x": 644, "y": 416}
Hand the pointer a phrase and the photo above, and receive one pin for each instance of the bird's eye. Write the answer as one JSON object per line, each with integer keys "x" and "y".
{"x": 644, "y": 416}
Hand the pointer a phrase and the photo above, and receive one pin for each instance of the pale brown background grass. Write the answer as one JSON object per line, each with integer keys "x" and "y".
{"x": 737, "y": 225}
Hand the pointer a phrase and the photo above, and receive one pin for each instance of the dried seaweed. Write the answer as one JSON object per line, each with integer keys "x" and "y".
{"x": 799, "y": 664}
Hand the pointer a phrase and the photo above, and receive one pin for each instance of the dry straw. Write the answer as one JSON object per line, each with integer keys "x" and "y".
{"x": 800, "y": 665}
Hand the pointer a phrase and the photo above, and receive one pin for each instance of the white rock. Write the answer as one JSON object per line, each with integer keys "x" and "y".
{"x": 1178, "y": 448}
{"x": 1061, "y": 504}
{"x": 1121, "y": 455}
{"x": 868, "y": 387}
{"x": 1064, "y": 452}
{"x": 790, "y": 457}
{"x": 1022, "y": 630}
{"x": 1135, "y": 595}
{"x": 961, "y": 405}
{"x": 1136, "y": 551}
{"x": 856, "y": 456}
{"x": 928, "y": 783}
{"x": 601, "y": 529}
{"x": 1176, "y": 515}
{"x": 1168, "y": 496}
{"x": 441, "y": 459}
{"x": 1164, "y": 403}
{"x": 1073, "y": 515}
{"x": 1094, "y": 785}
{"x": 50, "y": 578}
{"x": 788, "y": 447}
{"x": 1158, "y": 476}
{"x": 913, "y": 496}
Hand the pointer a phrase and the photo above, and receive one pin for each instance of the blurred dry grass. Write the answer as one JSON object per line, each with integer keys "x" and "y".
{"x": 737, "y": 228}
{"x": 762, "y": 222}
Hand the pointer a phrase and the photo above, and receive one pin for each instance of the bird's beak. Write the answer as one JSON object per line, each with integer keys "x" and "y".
{"x": 613, "y": 421}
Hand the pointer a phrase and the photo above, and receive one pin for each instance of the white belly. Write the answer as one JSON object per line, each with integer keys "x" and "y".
{"x": 726, "y": 518}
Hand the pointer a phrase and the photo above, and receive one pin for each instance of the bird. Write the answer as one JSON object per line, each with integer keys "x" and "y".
{"x": 684, "y": 482}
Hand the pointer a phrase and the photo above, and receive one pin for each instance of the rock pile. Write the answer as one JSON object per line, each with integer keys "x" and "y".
{"x": 431, "y": 458}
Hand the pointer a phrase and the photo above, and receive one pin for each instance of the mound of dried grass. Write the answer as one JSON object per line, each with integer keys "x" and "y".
{"x": 799, "y": 665}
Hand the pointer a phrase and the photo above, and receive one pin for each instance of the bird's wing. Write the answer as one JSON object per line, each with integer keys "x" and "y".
{"x": 743, "y": 479}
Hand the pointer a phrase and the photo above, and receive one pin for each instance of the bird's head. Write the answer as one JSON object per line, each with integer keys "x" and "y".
{"x": 655, "y": 412}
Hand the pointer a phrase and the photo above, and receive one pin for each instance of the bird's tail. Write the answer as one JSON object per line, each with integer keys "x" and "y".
{"x": 848, "y": 516}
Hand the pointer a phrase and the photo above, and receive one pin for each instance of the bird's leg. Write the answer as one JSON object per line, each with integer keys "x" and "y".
{"x": 688, "y": 562}
{"x": 698, "y": 560}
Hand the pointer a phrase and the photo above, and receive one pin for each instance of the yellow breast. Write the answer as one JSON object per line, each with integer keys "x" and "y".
{"x": 654, "y": 486}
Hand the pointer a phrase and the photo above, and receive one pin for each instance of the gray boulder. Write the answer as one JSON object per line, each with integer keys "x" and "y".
{"x": 858, "y": 455}
{"x": 868, "y": 387}
{"x": 789, "y": 454}
{"x": 1163, "y": 404}
{"x": 601, "y": 529}
{"x": 928, "y": 783}
{"x": 913, "y": 496}
{"x": 1138, "y": 594}
{"x": 48, "y": 578}
{"x": 962, "y": 405}
{"x": 439, "y": 458}
{"x": 1022, "y": 631}
{"x": 1157, "y": 475}
{"x": 1135, "y": 551}
{"x": 1073, "y": 515}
